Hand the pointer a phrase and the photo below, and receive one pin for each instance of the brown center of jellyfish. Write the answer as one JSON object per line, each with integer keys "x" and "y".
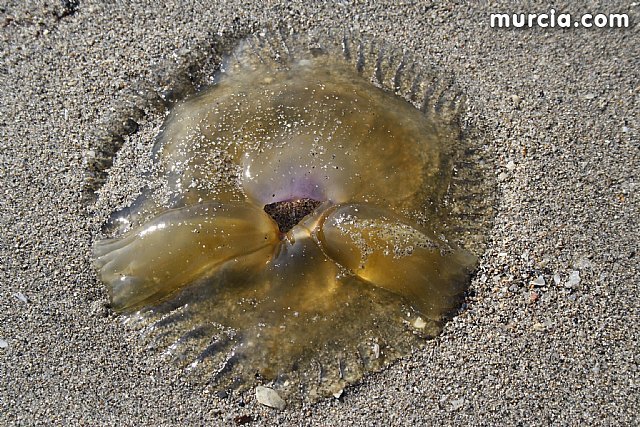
{"x": 289, "y": 213}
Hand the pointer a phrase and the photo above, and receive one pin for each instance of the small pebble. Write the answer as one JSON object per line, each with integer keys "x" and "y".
{"x": 556, "y": 279}
{"x": 511, "y": 165}
{"x": 516, "y": 100}
{"x": 419, "y": 323}
{"x": 21, "y": 297}
{"x": 243, "y": 419}
{"x": 269, "y": 397}
{"x": 589, "y": 96}
{"x": 3, "y": 343}
{"x": 538, "y": 327}
{"x": 582, "y": 263}
{"x": 574, "y": 279}
{"x": 457, "y": 404}
{"x": 534, "y": 296}
{"x": 538, "y": 281}
{"x": 376, "y": 351}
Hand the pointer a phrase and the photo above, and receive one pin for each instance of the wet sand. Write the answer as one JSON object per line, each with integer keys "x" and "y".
{"x": 550, "y": 333}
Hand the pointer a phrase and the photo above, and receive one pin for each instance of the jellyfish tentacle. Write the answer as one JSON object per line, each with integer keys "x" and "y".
{"x": 178, "y": 247}
{"x": 390, "y": 252}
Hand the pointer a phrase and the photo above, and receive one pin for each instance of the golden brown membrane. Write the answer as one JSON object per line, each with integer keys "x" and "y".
{"x": 177, "y": 247}
{"x": 387, "y": 251}
{"x": 350, "y": 287}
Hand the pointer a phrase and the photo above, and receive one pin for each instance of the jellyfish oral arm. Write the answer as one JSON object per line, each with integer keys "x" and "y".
{"x": 178, "y": 247}
{"x": 389, "y": 252}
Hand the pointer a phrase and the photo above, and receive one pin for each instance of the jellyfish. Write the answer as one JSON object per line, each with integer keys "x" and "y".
{"x": 302, "y": 238}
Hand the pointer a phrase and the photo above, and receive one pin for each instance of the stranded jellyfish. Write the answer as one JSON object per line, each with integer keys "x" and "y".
{"x": 298, "y": 237}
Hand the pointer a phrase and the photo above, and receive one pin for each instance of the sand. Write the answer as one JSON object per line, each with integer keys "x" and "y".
{"x": 550, "y": 332}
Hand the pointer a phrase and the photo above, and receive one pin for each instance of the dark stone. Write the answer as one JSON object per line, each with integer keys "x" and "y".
{"x": 69, "y": 7}
{"x": 243, "y": 419}
{"x": 130, "y": 126}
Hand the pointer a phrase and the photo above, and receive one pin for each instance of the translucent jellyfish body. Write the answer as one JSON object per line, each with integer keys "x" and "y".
{"x": 302, "y": 241}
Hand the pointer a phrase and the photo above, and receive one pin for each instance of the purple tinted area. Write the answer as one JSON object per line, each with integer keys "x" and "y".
{"x": 284, "y": 183}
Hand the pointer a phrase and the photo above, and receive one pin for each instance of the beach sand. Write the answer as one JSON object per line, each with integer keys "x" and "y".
{"x": 559, "y": 111}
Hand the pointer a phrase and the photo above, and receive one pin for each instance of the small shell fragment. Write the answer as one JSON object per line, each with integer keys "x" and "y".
{"x": 269, "y": 397}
